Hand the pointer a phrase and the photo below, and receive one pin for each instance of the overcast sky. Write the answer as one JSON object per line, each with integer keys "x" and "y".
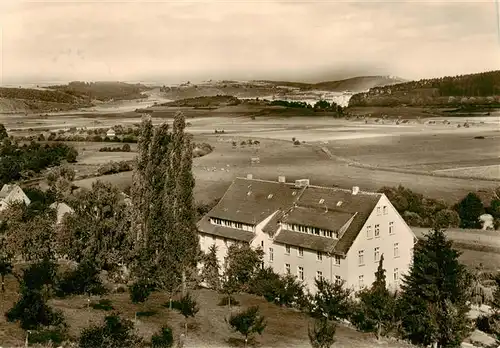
{"x": 174, "y": 41}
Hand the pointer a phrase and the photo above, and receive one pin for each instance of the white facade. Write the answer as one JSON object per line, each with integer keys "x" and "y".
{"x": 61, "y": 209}
{"x": 110, "y": 133}
{"x": 395, "y": 240}
{"x": 11, "y": 194}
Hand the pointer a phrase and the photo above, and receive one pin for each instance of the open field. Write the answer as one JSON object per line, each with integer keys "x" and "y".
{"x": 285, "y": 327}
{"x": 487, "y": 171}
{"x": 412, "y": 151}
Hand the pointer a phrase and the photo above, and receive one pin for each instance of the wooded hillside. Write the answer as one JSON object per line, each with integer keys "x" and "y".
{"x": 479, "y": 89}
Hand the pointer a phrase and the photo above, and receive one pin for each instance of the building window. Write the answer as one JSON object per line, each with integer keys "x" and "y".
{"x": 287, "y": 249}
{"x": 369, "y": 232}
{"x": 396, "y": 249}
{"x": 385, "y": 210}
{"x": 287, "y": 268}
{"x": 391, "y": 227}
{"x": 262, "y": 243}
{"x": 300, "y": 251}
{"x": 361, "y": 281}
{"x": 361, "y": 257}
{"x": 377, "y": 230}
{"x": 214, "y": 239}
{"x": 271, "y": 255}
{"x": 396, "y": 275}
{"x": 376, "y": 254}
{"x": 316, "y": 231}
{"x": 301, "y": 273}
{"x": 319, "y": 256}
{"x": 335, "y": 234}
{"x": 338, "y": 279}
{"x": 378, "y": 210}
{"x": 319, "y": 275}
{"x": 238, "y": 225}
{"x": 337, "y": 260}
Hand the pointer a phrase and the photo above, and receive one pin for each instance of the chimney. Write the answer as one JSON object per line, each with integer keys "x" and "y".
{"x": 302, "y": 183}
{"x": 249, "y": 176}
{"x": 281, "y": 178}
{"x": 355, "y": 190}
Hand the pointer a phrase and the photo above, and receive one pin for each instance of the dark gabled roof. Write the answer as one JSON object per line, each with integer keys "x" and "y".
{"x": 306, "y": 241}
{"x": 361, "y": 204}
{"x": 330, "y": 198}
{"x": 320, "y": 218}
{"x": 205, "y": 226}
{"x": 251, "y": 201}
{"x": 274, "y": 224}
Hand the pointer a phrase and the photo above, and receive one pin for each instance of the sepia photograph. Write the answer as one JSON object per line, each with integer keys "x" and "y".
{"x": 250, "y": 173}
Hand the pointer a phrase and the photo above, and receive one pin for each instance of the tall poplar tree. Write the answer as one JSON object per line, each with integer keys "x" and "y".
{"x": 165, "y": 215}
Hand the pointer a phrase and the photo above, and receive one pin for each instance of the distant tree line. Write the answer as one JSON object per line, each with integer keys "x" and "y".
{"x": 321, "y": 105}
{"x": 445, "y": 90}
{"x": 420, "y": 211}
{"x": 103, "y": 91}
{"x": 24, "y": 161}
{"x": 37, "y": 95}
{"x": 471, "y": 85}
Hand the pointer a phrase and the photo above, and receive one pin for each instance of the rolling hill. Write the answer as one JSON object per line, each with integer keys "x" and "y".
{"x": 481, "y": 89}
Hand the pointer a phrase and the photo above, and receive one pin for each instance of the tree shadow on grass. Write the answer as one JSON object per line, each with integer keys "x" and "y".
{"x": 146, "y": 313}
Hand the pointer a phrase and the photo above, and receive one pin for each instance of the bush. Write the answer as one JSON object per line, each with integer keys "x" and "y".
{"x": 163, "y": 339}
{"x": 83, "y": 280}
{"x": 114, "y": 167}
{"x": 32, "y": 312}
{"x": 282, "y": 290}
{"x": 248, "y": 322}
{"x": 139, "y": 292}
{"x": 55, "y": 335}
{"x": 296, "y": 142}
{"x": 115, "y": 332}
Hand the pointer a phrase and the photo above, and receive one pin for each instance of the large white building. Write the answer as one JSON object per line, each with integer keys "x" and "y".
{"x": 311, "y": 231}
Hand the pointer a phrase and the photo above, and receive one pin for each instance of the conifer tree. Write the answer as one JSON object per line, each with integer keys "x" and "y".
{"x": 434, "y": 302}
{"x": 211, "y": 269}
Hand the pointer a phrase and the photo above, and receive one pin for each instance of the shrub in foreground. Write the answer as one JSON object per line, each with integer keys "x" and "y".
{"x": 33, "y": 312}
{"x": 248, "y": 322}
{"x": 321, "y": 334}
{"x": 163, "y": 339}
{"x": 115, "y": 332}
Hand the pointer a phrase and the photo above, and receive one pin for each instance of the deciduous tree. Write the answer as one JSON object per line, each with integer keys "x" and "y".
{"x": 248, "y": 322}
{"x": 331, "y": 300}
{"x": 469, "y": 209}
{"x": 98, "y": 229}
{"x": 27, "y": 236}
